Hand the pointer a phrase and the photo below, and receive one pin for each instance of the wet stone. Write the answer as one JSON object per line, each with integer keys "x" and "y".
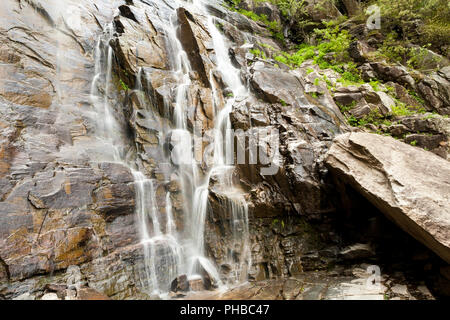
{"x": 180, "y": 283}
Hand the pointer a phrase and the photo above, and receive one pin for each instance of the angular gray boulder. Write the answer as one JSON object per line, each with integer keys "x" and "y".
{"x": 409, "y": 185}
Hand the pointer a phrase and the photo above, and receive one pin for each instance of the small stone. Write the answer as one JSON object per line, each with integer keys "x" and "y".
{"x": 52, "y": 287}
{"x": 25, "y": 296}
{"x": 50, "y": 296}
{"x": 196, "y": 284}
{"x": 398, "y": 130}
{"x": 359, "y": 50}
{"x": 90, "y": 294}
{"x": 174, "y": 295}
{"x": 400, "y": 290}
{"x": 424, "y": 290}
{"x": 249, "y": 56}
{"x": 357, "y": 251}
{"x": 70, "y": 295}
{"x": 360, "y": 111}
{"x": 181, "y": 283}
{"x": 386, "y": 103}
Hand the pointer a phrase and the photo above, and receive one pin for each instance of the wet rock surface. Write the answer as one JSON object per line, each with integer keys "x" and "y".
{"x": 59, "y": 208}
{"x": 354, "y": 283}
{"x": 306, "y": 127}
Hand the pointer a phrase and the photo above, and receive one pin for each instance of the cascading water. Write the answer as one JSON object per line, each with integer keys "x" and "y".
{"x": 108, "y": 132}
{"x": 162, "y": 252}
{"x": 222, "y": 167}
{"x": 169, "y": 252}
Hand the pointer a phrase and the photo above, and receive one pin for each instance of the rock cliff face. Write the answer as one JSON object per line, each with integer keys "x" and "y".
{"x": 58, "y": 208}
{"x": 68, "y": 206}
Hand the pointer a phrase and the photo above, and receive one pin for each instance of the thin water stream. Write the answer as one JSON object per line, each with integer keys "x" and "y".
{"x": 169, "y": 252}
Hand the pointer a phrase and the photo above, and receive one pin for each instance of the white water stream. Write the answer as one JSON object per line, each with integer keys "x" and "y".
{"x": 167, "y": 251}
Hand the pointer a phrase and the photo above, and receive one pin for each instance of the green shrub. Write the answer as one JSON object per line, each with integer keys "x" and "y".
{"x": 123, "y": 85}
{"x": 401, "y": 109}
{"x": 434, "y": 17}
{"x": 374, "y": 85}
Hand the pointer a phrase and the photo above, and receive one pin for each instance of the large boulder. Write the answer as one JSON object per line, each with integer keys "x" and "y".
{"x": 409, "y": 185}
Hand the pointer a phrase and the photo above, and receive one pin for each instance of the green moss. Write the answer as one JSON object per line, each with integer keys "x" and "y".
{"x": 430, "y": 116}
{"x": 390, "y": 90}
{"x": 375, "y": 85}
{"x": 401, "y": 109}
{"x": 331, "y": 41}
{"x": 353, "y": 121}
{"x": 328, "y": 82}
{"x": 377, "y": 119}
{"x": 219, "y": 26}
{"x": 123, "y": 85}
{"x": 282, "y": 59}
{"x": 274, "y": 27}
{"x": 288, "y": 8}
{"x": 416, "y": 97}
{"x": 398, "y": 49}
{"x": 374, "y": 117}
{"x": 346, "y": 108}
{"x": 434, "y": 17}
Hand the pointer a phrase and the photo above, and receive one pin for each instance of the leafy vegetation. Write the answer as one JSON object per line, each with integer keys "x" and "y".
{"x": 425, "y": 22}
{"x": 330, "y": 41}
{"x": 376, "y": 118}
{"x": 274, "y": 27}
{"x": 401, "y": 109}
{"x": 409, "y": 29}
{"x": 123, "y": 85}
{"x": 422, "y": 22}
{"x": 395, "y": 50}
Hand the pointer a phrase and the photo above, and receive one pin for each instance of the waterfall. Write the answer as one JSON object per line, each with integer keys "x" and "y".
{"x": 107, "y": 132}
{"x": 162, "y": 250}
{"x": 169, "y": 252}
{"x": 221, "y": 169}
